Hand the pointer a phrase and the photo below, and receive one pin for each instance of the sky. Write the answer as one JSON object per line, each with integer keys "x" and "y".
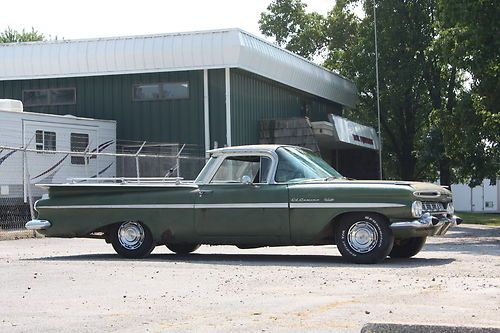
{"x": 79, "y": 19}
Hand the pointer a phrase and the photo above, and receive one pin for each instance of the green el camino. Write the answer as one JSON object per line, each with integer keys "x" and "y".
{"x": 253, "y": 196}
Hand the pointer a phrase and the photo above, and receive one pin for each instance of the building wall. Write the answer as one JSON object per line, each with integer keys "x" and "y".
{"x": 181, "y": 121}
{"x": 482, "y": 198}
{"x": 110, "y": 97}
{"x": 217, "y": 107}
{"x": 254, "y": 98}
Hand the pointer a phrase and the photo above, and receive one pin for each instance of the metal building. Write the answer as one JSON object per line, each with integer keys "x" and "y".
{"x": 208, "y": 88}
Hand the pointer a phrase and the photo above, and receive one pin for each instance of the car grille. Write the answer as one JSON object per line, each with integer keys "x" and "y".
{"x": 430, "y": 206}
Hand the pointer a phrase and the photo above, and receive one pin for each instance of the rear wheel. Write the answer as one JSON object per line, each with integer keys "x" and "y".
{"x": 182, "y": 248}
{"x": 132, "y": 239}
{"x": 364, "y": 238}
{"x": 408, "y": 247}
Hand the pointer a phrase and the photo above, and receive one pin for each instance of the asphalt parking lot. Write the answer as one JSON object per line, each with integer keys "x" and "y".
{"x": 75, "y": 285}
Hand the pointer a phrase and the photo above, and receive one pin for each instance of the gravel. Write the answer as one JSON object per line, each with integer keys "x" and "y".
{"x": 79, "y": 285}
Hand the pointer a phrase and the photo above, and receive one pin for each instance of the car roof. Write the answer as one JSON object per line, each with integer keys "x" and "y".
{"x": 266, "y": 148}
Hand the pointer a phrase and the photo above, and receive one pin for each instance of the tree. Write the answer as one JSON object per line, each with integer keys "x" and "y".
{"x": 12, "y": 36}
{"x": 293, "y": 28}
{"x": 423, "y": 83}
{"x": 469, "y": 31}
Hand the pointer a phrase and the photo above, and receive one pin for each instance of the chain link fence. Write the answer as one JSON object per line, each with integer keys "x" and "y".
{"x": 21, "y": 169}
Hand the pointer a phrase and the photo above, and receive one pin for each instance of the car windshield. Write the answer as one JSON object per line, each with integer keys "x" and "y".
{"x": 299, "y": 164}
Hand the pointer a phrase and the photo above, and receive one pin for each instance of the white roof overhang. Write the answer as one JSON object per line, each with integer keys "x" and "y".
{"x": 231, "y": 48}
{"x": 342, "y": 133}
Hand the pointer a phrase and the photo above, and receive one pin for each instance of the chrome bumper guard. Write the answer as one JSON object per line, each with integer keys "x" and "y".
{"x": 37, "y": 225}
{"x": 427, "y": 225}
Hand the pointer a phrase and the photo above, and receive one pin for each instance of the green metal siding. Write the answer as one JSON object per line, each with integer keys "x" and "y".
{"x": 217, "y": 106}
{"x": 254, "y": 98}
{"x": 110, "y": 97}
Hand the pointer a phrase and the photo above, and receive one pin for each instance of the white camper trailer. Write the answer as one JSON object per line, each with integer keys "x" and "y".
{"x": 37, "y": 148}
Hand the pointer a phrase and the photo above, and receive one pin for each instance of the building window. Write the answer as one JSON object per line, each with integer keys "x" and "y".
{"x": 161, "y": 91}
{"x": 35, "y": 97}
{"x": 79, "y": 143}
{"x": 45, "y": 141}
{"x": 57, "y": 96}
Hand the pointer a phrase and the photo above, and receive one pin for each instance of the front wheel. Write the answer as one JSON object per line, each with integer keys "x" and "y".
{"x": 364, "y": 238}
{"x": 408, "y": 247}
{"x": 182, "y": 248}
{"x": 132, "y": 239}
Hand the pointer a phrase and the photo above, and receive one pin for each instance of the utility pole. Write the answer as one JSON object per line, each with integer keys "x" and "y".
{"x": 378, "y": 94}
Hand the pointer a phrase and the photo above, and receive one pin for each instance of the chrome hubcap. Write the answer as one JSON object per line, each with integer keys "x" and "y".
{"x": 131, "y": 235}
{"x": 362, "y": 237}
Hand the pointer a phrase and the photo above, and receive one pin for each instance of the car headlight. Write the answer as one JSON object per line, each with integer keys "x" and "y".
{"x": 417, "y": 209}
{"x": 450, "y": 209}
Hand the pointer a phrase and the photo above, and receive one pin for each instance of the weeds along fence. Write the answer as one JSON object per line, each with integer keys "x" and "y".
{"x": 23, "y": 168}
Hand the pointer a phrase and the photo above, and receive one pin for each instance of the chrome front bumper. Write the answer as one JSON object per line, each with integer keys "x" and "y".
{"x": 427, "y": 225}
{"x": 37, "y": 225}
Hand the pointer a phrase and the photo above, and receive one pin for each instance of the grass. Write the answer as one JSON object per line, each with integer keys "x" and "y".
{"x": 480, "y": 218}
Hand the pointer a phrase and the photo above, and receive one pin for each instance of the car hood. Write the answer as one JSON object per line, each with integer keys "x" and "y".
{"x": 427, "y": 189}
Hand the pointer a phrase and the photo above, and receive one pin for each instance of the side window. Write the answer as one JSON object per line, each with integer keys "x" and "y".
{"x": 234, "y": 168}
{"x": 160, "y": 91}
{"x": 55, "y": 96}
{"x": 79, "y": 142}
{"x": 45, "y": 140}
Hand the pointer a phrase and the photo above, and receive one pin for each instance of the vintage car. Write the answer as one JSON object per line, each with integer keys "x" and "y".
{"x": 253, "y": 196}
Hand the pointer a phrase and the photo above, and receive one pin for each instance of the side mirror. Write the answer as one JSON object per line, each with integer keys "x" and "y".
{"x": 246, "y": 180}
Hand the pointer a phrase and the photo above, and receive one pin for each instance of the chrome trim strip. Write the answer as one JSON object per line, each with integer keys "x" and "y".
{"x": 37, "y": 225}
{"x": 410, "y": 224}
{"x": 186, "y": 185}
{"x": 344, "y": 205}
{"x": 244, "y": 205}
{"x": 175, "y": 206}
{"x": 146, "y": 206}
{"x": 432, "y": 194}
{"x": 232, "y": 205}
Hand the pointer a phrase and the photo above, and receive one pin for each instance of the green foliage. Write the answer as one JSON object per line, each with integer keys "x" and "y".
{"x": 469, "y": 31}
{"x": 12, "y": 36}
{"x": 432, "y": 123}
{"x": 290, "y": 25}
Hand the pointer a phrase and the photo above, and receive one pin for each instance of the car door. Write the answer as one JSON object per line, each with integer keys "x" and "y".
{"x": 239, "y": 206}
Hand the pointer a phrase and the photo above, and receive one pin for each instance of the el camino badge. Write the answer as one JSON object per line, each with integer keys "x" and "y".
{"x": 304, "y": 200}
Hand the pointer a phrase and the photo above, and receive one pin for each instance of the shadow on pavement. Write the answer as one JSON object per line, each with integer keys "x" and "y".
{"x": 255, "y": 260}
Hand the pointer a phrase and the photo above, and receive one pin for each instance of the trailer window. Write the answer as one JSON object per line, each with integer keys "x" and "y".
{"x": 45, "y": 141}
{"x": 79, "y": 143}
{"x": 43, "y": 97}
{"x": 161, "y": 91}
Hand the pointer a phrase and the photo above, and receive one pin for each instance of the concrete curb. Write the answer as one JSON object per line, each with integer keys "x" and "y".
{"x": 399, "y": 328}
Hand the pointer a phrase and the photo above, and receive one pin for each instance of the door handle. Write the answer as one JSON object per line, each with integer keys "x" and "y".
{"x": 203, "y": 192}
